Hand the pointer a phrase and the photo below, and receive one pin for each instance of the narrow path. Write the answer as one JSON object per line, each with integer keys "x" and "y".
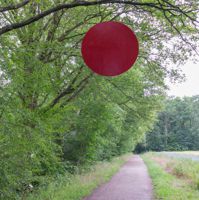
{"x": 132, "y": 182}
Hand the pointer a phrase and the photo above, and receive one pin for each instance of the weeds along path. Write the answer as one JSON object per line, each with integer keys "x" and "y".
{"x": 132, "y": 182}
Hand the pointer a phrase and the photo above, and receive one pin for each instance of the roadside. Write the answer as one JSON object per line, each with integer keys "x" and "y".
{"x": 173, "y": 179}
{"x": 75, "y": 187}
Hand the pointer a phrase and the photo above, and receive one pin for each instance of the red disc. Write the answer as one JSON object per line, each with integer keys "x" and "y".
{"x": 110, "y": 48}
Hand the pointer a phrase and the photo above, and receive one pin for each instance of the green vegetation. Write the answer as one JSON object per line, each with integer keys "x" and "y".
{"x": 175, "y": 180}
{"x": 176, "y": 128}
{"x": 74, "y": 187}
{"x": 186, "y": 168}
{"x": 56, "y": 116}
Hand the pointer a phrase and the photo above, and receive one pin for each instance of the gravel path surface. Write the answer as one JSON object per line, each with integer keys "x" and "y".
{"x": 132, "y": 182}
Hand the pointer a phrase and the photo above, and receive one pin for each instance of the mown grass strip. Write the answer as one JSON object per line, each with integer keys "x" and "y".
{"x": 75, "y": 187}
{"x": 167, "y": 186}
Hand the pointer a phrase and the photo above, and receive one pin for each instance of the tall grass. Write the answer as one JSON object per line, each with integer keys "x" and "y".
{"x": 167, "y": 186}
{"x": 75, "y": 187}
{"x": 187, "y": 169}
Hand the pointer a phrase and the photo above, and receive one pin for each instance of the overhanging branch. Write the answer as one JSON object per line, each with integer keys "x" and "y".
{"x": 43, "y": 14}
{"x": 14, "y": 7}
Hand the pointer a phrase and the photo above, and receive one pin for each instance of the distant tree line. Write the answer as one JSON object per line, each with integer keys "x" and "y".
{"x": 177, "y": 128}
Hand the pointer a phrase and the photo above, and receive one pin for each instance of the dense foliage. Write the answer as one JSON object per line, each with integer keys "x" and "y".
{"x": 54, "y": 113}
{"x": 177, "y": 128}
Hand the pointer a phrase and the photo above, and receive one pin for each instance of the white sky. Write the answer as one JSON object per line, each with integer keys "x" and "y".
{"x": 191, "y": 86}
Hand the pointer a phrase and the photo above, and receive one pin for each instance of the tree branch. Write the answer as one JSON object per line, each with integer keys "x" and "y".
{"x": 66, "y": 91}
{"x": 35, "y": 18}
{"x": 80, "y": 87}
{"x": 14, "y": 7}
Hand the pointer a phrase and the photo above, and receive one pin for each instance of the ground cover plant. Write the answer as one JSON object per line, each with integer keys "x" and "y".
{"x": 79, "y": 185}
{"x": 173, "y": 178}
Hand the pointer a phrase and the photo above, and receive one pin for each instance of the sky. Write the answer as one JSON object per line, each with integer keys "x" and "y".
{"x": 191, "y": 86}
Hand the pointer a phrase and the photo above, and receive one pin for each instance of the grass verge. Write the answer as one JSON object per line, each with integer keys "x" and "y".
{"x": 75, "y": 187}
{"x": 166, "y": 185}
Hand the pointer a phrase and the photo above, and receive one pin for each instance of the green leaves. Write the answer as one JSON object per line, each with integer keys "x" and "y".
{"x": 54, "y": 110}
{"x": 177, "y": 126}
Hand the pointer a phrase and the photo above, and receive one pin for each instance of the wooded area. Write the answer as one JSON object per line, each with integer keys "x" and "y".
{"x": 55, "y": 115}
{"x": 177, "y": 128}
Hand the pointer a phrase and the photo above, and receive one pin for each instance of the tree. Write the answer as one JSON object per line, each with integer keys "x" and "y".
{"x": 181, "y": 126}
{"x": 52, "y": 105}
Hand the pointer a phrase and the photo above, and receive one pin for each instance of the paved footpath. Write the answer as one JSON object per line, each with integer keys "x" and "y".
{"x": 132, "y": 182}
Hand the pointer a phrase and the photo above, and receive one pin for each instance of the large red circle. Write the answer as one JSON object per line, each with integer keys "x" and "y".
{"x": 110, "y": 48}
